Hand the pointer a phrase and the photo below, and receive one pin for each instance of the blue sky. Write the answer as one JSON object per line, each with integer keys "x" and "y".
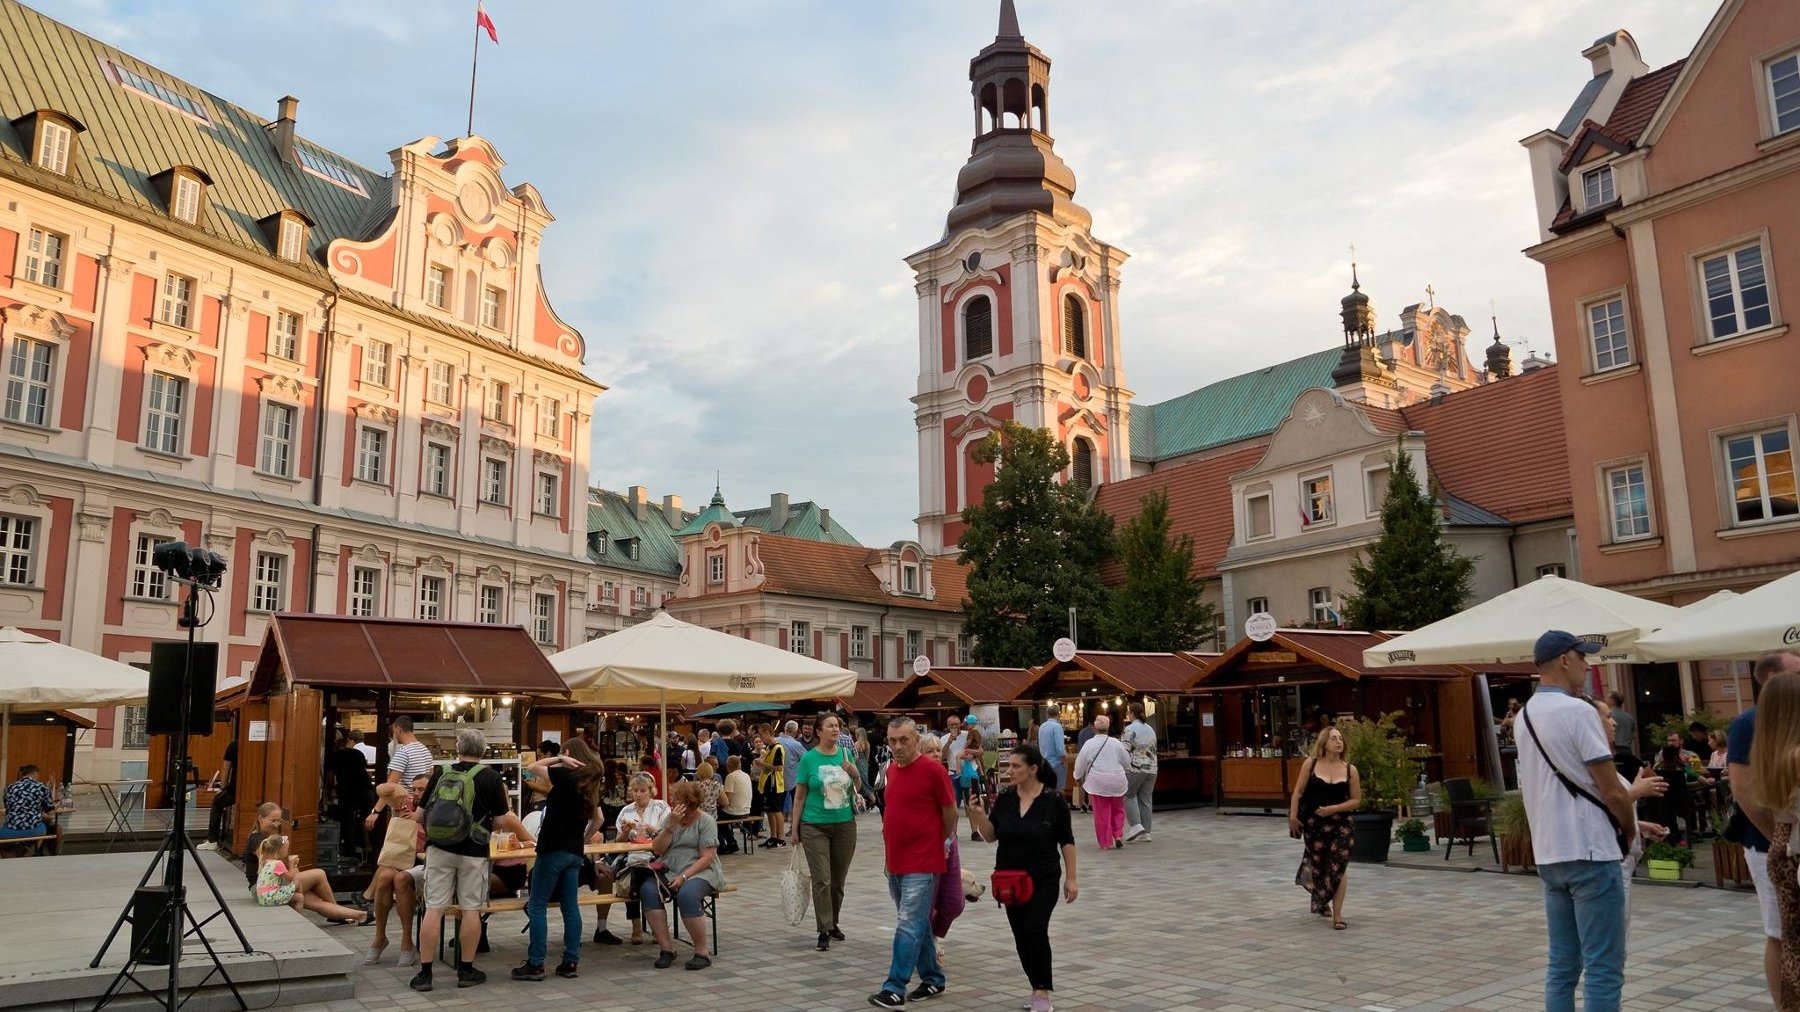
{"x": 736, "y": 182}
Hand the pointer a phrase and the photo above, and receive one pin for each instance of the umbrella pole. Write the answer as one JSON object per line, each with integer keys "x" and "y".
{"x": 5, "y": 740}
{"x": 662, "y": 741}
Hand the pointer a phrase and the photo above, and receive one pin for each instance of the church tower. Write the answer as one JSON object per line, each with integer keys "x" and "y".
{"x": 1018, "y": 302}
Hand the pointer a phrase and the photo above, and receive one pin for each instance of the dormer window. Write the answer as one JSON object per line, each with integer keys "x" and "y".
{"x": 183, "y": 191}
{"x": 600, "y": 548}
{"x": 1597, "y": 187}
{"x": 909, "y": 579}
{"x": 187, "y": 199}
{"x": 52, "y": 137}
{"x": 293, "y": 240}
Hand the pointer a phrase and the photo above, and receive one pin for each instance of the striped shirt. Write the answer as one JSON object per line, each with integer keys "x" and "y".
{"x": 412, "y": 760}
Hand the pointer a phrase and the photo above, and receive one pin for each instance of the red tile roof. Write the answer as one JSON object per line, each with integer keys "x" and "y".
{"x": 1199, "y": 503}
{"x": 969, "y": 686}
{"x": 1500, "y": 446}
{"x": 872, "y": 694}
{"x": 1630, "y": 116}
{"x": 841, "y": 573}
{"x": 1339, "y": 653}
{"x": 1136, "y": 673}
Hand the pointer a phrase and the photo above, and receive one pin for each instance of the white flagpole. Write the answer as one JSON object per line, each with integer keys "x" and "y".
{"x": 474, "y": 60}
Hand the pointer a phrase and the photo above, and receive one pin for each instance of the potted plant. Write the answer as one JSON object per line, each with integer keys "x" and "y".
{"x": 1666, "y": 860}
{"x": 1378, "y": 751}
{"x": 1514, "y": 829}
{"x": 1411, "y": 835}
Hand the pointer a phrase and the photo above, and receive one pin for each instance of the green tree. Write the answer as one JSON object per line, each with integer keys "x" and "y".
{"x": 1410, "y": 576}
{"x": 1033, "y": 546}
{"x": 1158, "y": 607}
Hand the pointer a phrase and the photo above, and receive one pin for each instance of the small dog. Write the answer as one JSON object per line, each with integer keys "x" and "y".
{"x": 973, "y": 888}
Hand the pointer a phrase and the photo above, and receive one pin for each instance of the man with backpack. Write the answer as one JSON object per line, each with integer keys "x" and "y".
{"x": 462, "y": 807}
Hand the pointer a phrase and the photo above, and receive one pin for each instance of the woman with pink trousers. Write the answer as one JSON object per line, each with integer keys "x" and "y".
{"x": 1100, "y": 769}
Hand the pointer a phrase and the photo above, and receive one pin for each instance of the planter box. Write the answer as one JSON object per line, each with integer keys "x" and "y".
{"x": 1515, "y": 852}
{"x": 1665, "y": 871}
{"x": 1728, "y": 863}
{"x": 1374, "y": 833}
{"x": 1416, "y": 843}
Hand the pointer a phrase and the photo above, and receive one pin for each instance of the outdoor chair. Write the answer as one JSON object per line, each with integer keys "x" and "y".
{"x": 1470, "y": 817}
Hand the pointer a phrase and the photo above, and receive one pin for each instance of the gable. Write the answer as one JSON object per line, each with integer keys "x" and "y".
{"x": 1711, "y": 120}
{"x": 1321, "y": 425}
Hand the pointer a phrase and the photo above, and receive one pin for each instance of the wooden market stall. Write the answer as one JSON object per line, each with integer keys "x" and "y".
{"x": 941, "y": 692}
{"x": 318, "y": 672}
{"x": 1271, "y": 697}
{"x": 618, "y": 732}
{"x": 45, "y": 739}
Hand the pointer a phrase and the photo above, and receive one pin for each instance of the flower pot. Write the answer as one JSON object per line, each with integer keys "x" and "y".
{"x": 1515, "y": 852}
{"x": 1666, "y": 871}
{"x": 1415, "y": 843}
{"x": 1374, "y": 831}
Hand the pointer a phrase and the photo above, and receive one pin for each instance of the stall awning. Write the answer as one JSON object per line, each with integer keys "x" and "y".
{"x": 1308, "y": 656}
{"x": 1131, "y": 674}
{"x": 958, "y": 687}
{"x": 388, "y": 654}
{"x": 872, "y": 695}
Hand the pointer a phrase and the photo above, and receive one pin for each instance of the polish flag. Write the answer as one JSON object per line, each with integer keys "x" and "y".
{"x": 483, "y": 21}
{"x": 1305, "y": 520}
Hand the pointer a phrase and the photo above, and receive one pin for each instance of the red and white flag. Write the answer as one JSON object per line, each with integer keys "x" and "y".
{"x": 1305, "y": 518}
{"x": 483, "y": 21}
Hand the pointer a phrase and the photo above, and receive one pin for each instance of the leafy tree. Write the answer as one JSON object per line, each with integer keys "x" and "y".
{"x": 1033, "y": 546}
{"x": 1158, "y": 607}
{"x": 1410, "y": 576}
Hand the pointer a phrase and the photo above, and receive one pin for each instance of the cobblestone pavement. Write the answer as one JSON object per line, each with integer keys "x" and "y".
{"x": 1205, "y": 917}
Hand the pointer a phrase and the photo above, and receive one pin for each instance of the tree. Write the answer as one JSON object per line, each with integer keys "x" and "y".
{"x": 1033, "y": 546}
{"x": 1410, "y": 576}
{"x": 1158, "y": 607}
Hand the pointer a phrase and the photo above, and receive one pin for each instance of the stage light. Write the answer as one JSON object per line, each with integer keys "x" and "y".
{"x": 192, "y": 564}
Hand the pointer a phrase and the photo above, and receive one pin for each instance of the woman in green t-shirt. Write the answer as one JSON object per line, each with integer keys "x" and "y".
{"x": 824, "y": 822}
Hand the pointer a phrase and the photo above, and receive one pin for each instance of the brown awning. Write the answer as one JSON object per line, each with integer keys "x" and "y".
{"x": 872, "y": 695}
{"x": 1132, "y": 674}
{"x": 954, "y": 688}
{"x": 384, "y": 653}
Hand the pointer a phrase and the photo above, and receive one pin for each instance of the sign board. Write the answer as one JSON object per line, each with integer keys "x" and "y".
{"x": 553, "y": 735}
{"x": 259, "y": 730}
{"x": 1260, "y": 627}
{"x": 921, "y": 664}
{"x": 1063, "y": 650}
{"x": 988, "y": 714}
{"x": 1206, "y": 719}
{"x": 1270, "y": 657}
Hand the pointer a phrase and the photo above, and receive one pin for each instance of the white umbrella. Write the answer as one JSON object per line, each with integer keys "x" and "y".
{"x": 1739, "y": 628}
{"x": 1502, "y": 630}
{"x": 40, "y": 674}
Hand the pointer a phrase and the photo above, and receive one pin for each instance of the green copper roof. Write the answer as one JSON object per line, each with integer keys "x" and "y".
{"x": 1241, "y": 407}
{"x": 804, "y": 520}
{"x": 612, "y": 521}
{"x": 713, "y": 513}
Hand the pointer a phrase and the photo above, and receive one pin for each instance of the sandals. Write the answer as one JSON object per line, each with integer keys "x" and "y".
{"x": 1338, "y": 925}
{"x": 665, "y": 959}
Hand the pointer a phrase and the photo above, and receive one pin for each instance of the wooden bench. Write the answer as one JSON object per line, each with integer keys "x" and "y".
{"x": 743, "y": 824}
{"x": 29, "y": 843}
{"x": 588, "y": 898}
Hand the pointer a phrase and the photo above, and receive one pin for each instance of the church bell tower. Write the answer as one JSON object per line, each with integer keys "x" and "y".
{"x": 1018, "y": 302}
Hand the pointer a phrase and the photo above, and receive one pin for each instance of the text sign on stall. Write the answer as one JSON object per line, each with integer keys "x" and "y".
{"x": 259, "y": 731}
{"x": 1270, "y": 657}
{"x": 1063, "y": 650}
{"x": 1260, "y": 627}
{"x": 921, "y": 664}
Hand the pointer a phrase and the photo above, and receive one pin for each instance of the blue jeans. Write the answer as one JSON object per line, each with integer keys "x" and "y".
{"x": 1584, "y": 902}
{"x": 556, "y": 877}
{"x": 913, "y": 945}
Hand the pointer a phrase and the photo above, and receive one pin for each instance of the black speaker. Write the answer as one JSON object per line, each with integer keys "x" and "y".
{"x": 168, "y": 666}
{"x": 149, "y": 924}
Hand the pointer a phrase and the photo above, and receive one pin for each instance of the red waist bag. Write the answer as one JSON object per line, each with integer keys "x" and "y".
{"x": 1012, "y": 887}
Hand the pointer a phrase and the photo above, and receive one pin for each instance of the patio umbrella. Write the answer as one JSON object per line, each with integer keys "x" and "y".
{"x": 1502, "y": 630}
{"x": 1740, "y": 628}
{"x": 734, "y": 709}
{"x": 39, "y": 674}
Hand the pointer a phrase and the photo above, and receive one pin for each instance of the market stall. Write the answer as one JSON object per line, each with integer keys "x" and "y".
{"x": 618, "y": 732}
{"x": 941, "y": 693}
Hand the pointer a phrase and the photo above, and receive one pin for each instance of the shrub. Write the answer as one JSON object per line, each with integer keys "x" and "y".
{"x": 1378, "y": 751}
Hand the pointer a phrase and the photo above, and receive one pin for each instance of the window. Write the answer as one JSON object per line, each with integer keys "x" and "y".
{"x": 1553, "y": 569}
{"x": 978, "y": 328}
{"x": 550, "y": 417}
{"x": 431, "y": 598}
{"x": 371, "y": 455}
{"x": 1074, "y": 326}
{"x": 800, "y": 638}
{"x": 276, "y": 454}
{"x": 1762, "y": 476}
{"x": 859, "y": 642}
{"x": 329, "y": 169}
{"x": 1315, "y": 500}
{"x": 1606, "y": 332}
{"x": 914, "y": 645}
{"x": 715, "y": 568}
{"x": 493, "y": 481}
{"x": 634, "y": 549}
{"x": 909, "y": 579}
{"x": 186, "y": 202}
{"x": 442, "y": 383}
{"x": 608, "y": 592}
{"x": 493, "y": 303}
{"x": 1629, "y": 503}
{"x": 284, "y": 339}
{"x": 601, "y": 542}
{"x": 378, "y": 358}
{"x": 1375, "y": 482}
{"x": 162, "y": 418}
{"x": 1737, "y": 291}
{"x": 543, "y": 618}
{"x": 640, "y": 596}
{"x": 131, "y": 80}
{"x": 437, "y": 470}
{"x": 134, "y": 723}
{"x": 490, "y": 606}
{"x": 54, "y": 141}
{"x": 437, "y": 286}
{"x": 365, "y": 591}
{"x": 548, "y": 496}
{"x": 964, "y": 649}
{"x": 1597, "y": 187}
{"x": 1259, "y": 606}
{"x": 177, "y": 307}
{"x": 1081, "y": 463}
{"x": 44, "y": 258}
{"x": 1784, "y": 92}
{"x": 293, "y": 240}
{"x": 29, "y": 368}
{"x": 495, "y": 408}
{"x": 147, "y": 581}
{"x": 1259, "y": 516}
{"x": 17, "y": 535}
{"x": 1320, "y": 600}
{"x": 265, "y": 585}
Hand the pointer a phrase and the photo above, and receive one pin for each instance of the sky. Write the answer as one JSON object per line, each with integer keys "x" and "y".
{"x": 737, "y": 182}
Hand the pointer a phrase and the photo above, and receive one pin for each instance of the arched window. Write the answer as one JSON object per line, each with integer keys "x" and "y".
{"x": 978, "y": 328}
{"x": 1074, "y": 326}
{"x": 1081, "y": 463}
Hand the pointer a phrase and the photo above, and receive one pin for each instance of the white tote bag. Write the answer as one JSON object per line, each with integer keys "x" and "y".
{"x": 796, "y": 888}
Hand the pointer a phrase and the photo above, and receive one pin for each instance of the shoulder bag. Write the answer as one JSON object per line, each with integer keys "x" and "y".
{"x": 1574, "y": 788}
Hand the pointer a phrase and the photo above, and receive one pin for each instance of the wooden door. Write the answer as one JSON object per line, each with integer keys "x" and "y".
{"x": 252, "y": 770}
{"x": 298, "y": 781}
{"x": 206, "y": 750}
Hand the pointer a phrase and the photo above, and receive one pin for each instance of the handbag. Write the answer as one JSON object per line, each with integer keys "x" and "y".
{"x": 1012, "y": 887}
{"x": 796, "y": 889}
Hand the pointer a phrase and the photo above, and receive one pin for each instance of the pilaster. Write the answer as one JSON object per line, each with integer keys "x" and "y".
{"x": 230, "y": 391}
{"x": 102, "y": 431}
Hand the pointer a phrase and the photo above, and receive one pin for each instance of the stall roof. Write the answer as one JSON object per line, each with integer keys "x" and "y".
{"x": 1130, "y": 673}
{"x": 404, "y": 654}
{"x": 1292, "y": 655}
{"x": 873, "y": 694}
{"x": 970, "y": 686}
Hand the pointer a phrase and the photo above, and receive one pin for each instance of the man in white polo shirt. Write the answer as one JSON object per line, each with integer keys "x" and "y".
{"x": 1570, "y": 784}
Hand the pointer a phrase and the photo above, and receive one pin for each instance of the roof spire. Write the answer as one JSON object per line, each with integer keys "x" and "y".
{"x": 1009, "y": 22}
{"x": 718, "y": 498}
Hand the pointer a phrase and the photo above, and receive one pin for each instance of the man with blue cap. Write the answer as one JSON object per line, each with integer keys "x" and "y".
{"x": 1579, "y": 812}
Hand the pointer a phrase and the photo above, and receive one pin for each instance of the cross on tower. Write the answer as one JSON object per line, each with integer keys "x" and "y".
{"x": 1431, "y": 294}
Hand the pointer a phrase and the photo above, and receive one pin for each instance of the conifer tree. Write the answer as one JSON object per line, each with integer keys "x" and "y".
{"x": 1158, "y": 607}
{"x": 1410, "y": 576}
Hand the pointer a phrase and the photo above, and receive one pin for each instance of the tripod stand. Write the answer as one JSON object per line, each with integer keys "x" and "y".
{"x": 171, "y": 913}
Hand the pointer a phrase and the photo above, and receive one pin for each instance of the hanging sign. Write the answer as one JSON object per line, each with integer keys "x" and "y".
{"x": 921, "y": 664}
{"x": 1260, "y": 627}
{"x": 1063, "y": 650}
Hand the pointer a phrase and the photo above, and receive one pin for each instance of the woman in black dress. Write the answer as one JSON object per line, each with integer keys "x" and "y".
{"x": 1031, "y": 823}
{"x": 1329, "y": 790}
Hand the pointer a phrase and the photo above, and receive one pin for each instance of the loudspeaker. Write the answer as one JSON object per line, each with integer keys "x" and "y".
{"x": 168, "y": 666}
{"x": 149, "y": 910}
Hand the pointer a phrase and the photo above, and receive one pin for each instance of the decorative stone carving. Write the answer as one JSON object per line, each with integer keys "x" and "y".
{"x": 275, "y": 537}
{"x": 494, "y": 444}
{"x": 435, "y": 563}
{"x": 1027, "y": 253}
{"x": 158, "y": 517}
{"x": 544, "y": 582}
{"x": 465, "y": 583}
{"x": 925, "y": 287}
{"x": 494, "y": 574}
{"x": 94, "y": 527}
{"x": 38, "y": 320}
{"x": 499, "y": 255}
{"x": 171, "y": 357}
{"x": 237, "y": 306}
{"x": 438, "y": 428}
{"x": 376, "y": 413}
{"x": 546, "y": 458}
{"x": 116, "y": 267}
{"x": 369, "y": 554}
{"x": 280, "y": 386}
{"x": 24, "y": 495}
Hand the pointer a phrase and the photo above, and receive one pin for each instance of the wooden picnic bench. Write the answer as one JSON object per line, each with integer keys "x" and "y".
{"x": 742, "y": 824}
{"x": 29, "y": 843}
{"x": 588, "y": 898}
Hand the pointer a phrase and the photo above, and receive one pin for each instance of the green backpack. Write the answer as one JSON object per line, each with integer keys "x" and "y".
{"x": 450, "y": 813}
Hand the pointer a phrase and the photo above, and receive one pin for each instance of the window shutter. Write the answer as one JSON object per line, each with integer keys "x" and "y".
{"x": 978, "y": 328}
{"x": 1082, "y": 469}
{"x": 1074, "y": 326}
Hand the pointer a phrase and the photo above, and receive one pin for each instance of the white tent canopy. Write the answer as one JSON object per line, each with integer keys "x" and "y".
{"x": 666, "y": 660}
{"x": 40, "y": 674}
{"x": 1502, "y": 630}
{"x": 1741, "y": 627}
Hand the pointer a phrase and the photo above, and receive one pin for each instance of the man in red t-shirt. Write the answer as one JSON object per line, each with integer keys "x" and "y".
{"x": 918, "y": 828}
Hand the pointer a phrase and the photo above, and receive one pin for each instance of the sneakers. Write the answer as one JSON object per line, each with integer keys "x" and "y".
{"x": 1133, "y": 832}
{"x": 468, "y": 976}
{"x": 925, "y": 992}
{"x": 528, "y": 971}
{"x": 422, "y": 980}
{"x": 824, "y": 942}
{"x": 1037, "y": 1004}
{"x": 208, "y": 845}
{"x": 603, "y": 936}
{"x": 887, "y": 999}
{"x": 568, "y": 970}
{"x": 836, "y": 935}
{"x": 1143, "y": 837}
{"x": 1118, "y": 845}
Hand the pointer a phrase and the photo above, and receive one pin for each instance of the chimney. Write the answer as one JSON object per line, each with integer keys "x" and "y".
{"x": 825, "y": 521}
{"x": 778, "y": 512}
{"x": 286, "y": 110}
{"x": 672, "y": 510}
{"x": 639, "y": 497}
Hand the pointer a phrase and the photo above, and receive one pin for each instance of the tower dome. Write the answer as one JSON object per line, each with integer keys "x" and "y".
{"x": 1357, "y": 313}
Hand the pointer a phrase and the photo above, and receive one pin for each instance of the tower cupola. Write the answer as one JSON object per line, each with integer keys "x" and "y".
{"x": 1499, "y": 356}
{"x": 1358, "y": 314}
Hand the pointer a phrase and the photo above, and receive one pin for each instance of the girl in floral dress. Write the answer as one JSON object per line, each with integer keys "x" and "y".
{"x": 1329, "y": 789}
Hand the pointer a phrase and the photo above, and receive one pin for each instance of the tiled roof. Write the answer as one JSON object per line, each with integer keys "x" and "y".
{"x": 971, "y": 686}
{"x": 1338, "y": 652}
{"x": 1218, "y": 414}
{"x": 1629, "y": 117}
{"x": 1199, "y": 502}
{"x": 841, "y": 573}
{"x": 1500, "y": 446}
{"x": 804, "y": 520}
{"x": 658, "y": 554}
{"x": 872, "y": 694}
{"x": 1128, "y": 672}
